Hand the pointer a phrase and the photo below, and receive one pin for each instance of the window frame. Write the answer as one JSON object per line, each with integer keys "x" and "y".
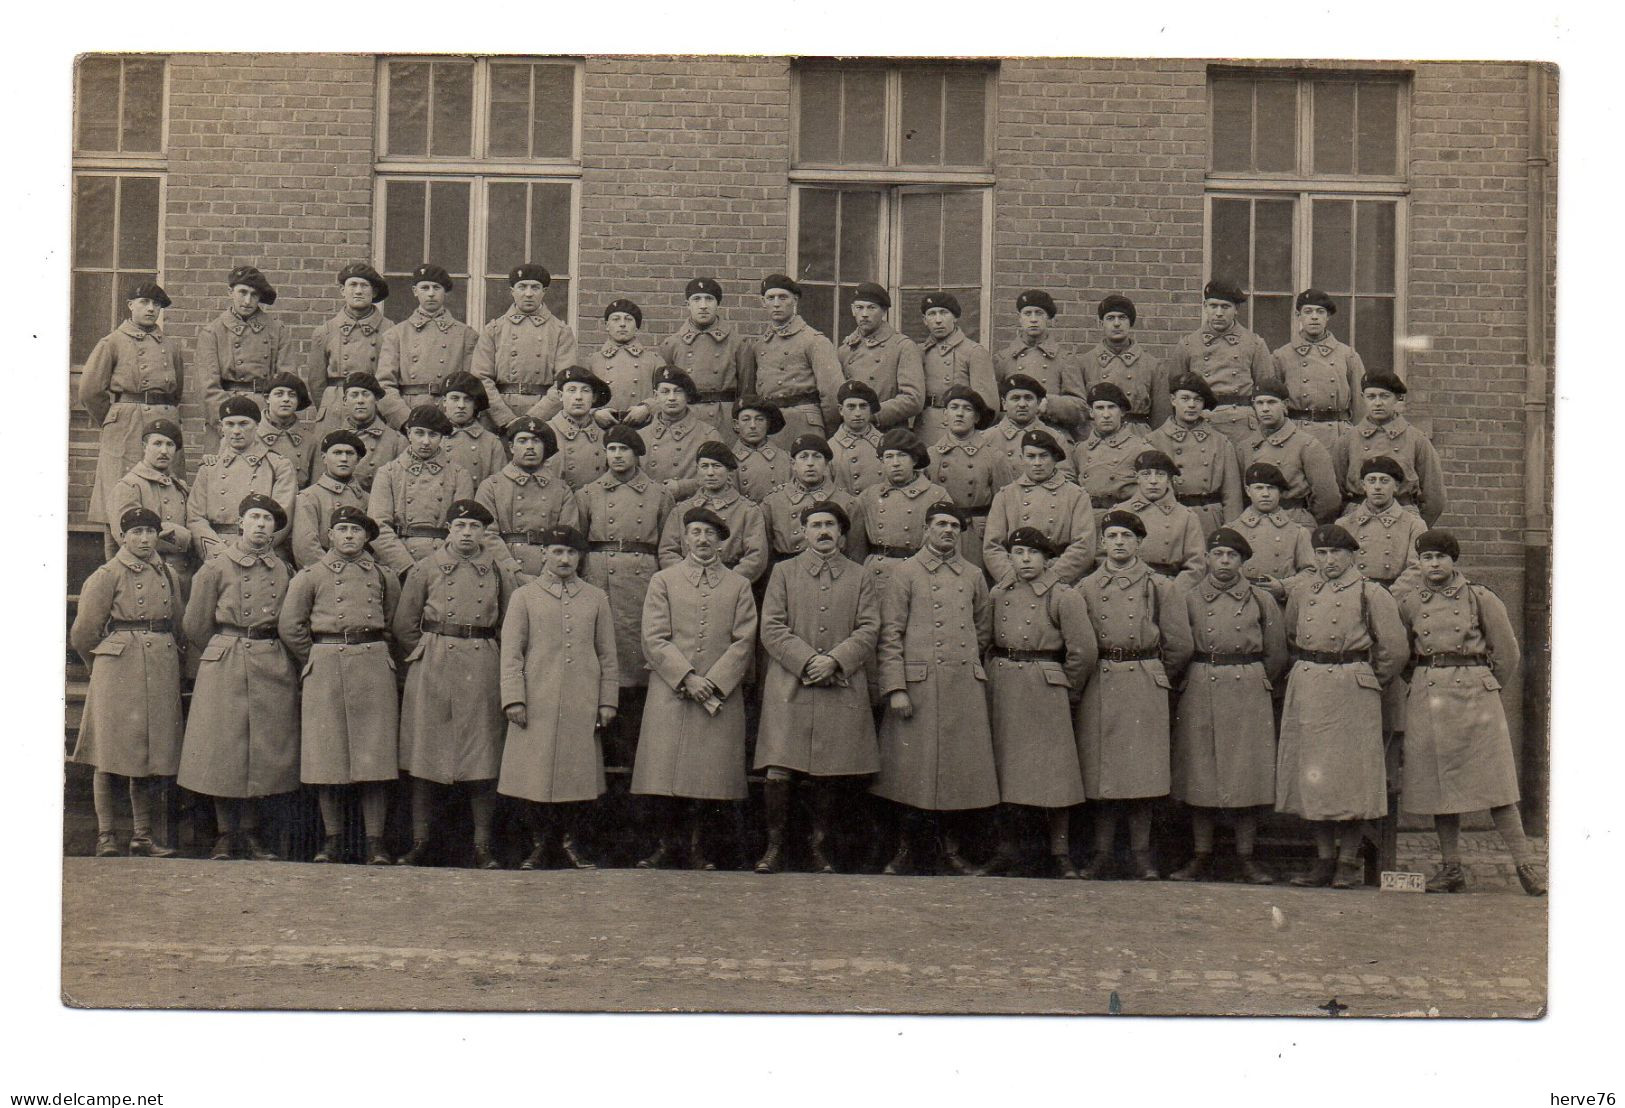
{"x": 113, "y": 159}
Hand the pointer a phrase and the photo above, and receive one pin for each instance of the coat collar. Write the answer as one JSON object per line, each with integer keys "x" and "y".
{"x": 948, "y": 444}
{"x": 541, "y": 317}
{"x": 369, "y": 324}
{"x": 1231, "y": 337}
{"x": 568, "y": 428}
{"x": 136, "y": 565}
{"x": 928, "y": 558}
{"x": 337, "y": 562}
{"x": 1387, "y": 517}
{"x": 1349, "y": 579}
{"x": 659, "y": 428}
{"x": 612, "y": 348}
{"x": 711, "y": 574}
{"x": 766, "y": 450}
{"x": 723, "y": 499}
{"x": 796, "y": 492}
{"x": 948, "y": 344}
{"x": 472, "y": 430}
{"x": 237, "y": 553}
{"x": 882, "y": 335}
{"x": 130, "y": 330}
{"x": 717, "y": 332}
{"x": 913, "y": 490}
{"x": 419, "y": 321}
{"x": 1046, "y": 347}
{"x": 1280, "y": 437}
{"x": 815, "y": 563}
{"x": 1394, "y": 428}
{"x": 847, "y": 439}
{"x": 448, "y": 559}
{"x": 1095, "y": 441}
{"x": 337, "y": 487}
{"x": 147, "y": 473}
{"x": 1327, "y": 344}
{"x": 794, "y": 327}
{"x": 638, "y": 482}
{"x": 269, "y": 433}
{"x": 558, "y": 586}
{"x": 1451, "y": 588}
{"x": 1105, "y": 352}
{"x": 1056, "y": 480}
{"x": 1139, "y": 503}
{"x": 1210, "y": 590}
{"x": 521, "y": 477}
{"x": 253, "y": 456}
{"x": 373, "y": 428}
{"x": 1125, "y": 578}
{"x": 1038, "y": 586}
{"x": 1252, "y": 517}
{"x": 236, "y": 324}
{"x": 418, "y": 466}
{"x": 1179, "y": 432}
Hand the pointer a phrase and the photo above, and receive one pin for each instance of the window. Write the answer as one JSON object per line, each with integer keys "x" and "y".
{"x": 118, "y": 189}
{"x": 1306, "y": 187}
{"x": 892, "y": 182}
{"x": 478, "y": 169}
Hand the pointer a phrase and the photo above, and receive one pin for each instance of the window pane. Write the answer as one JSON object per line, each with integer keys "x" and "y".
{"x": 1232, "y": 124}
{"x": 908, "y": 310}
{"x": 557, "y": 297}
{"x": 448, "y": 226}
{"x": 553, "y": 128}
{"x": 550, "y": 229}
{"x": 970, "y": 303}
{"x": 1374, "y": 332}
{"x": 510, "y": 111}
{"x": 408, "y": 108}
{"x": 143, "y": 105}
{"x": 1272, "y": 249}
{"x": 505, "y": 227}
{"x": 922, "y": 117}
{"x": 860, "y": 237}
{"x": 403, "y": 226}
{"x": 498, "y": 298}
{"x": 863, "y": 117}
{"x": 962, "y": 239}
{"x": 1345, "y": 313}
{"x": 93, "y": 221}
{"x": 1232, "y": 240}
{"x": 1272, "y": 318}
{"x": 820, "y": 132}
{"x": 92, "y": 313}
{"x": 453, "y": 107}
{"x": 1379, "y": 129}
{"x": 138, "y": 223}
{"x": 965, "y": 117}
{"x": 815, "y": 235}
{"x": 922, "y": 240}
{"x": 1333, "y": 266}
{"x": 1277, "y": 126}
{"x": 1334, "y": 127}
{"x": 818, "y": 309}
{"x": 98, "y": 104}
{"x": 1374, "y": 247}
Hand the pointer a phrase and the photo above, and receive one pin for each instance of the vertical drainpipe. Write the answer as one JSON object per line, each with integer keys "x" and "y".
{"x": 1537, "y": 528}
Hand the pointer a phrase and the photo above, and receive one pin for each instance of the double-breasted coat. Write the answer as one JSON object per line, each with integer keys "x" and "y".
{"x": 349, "y": 710}
{"x": 559, "y": 661}
{"x": 384, "y": 444}
{"x": 628, "y": 368}
{"x": 446, "y": 625}
{"x": 1174, "y": 545}
{"x": 1231, "y": 363}
{"x": 234, "y": 354}
{"x": 476, "y": 448}
{"x": 1139, "y": 373}
{"x": 524, "y": 504}
{"x": 815, "y": 605}
{"x": 1322, "y": 381}
{"x": 762, "y": 468}
{"x": 972, "y": 472}
{"x": 580, "y": 460}
{"x": 622, "y": 521}
{"x": 888, "y": 361}
{"x": 313, "y": 512}
{"x": 955, "y": 360}
{"x": 717, "y": 359}
{"x": 697, "y": 619}
{"x": 1313, "y": 494}
{"x": 745, "y": 550}
{"x": 132, "y": 713}
{"x": 1423, "y": 486}
{"x": 1005, "y": 437}
{"x": 856, "y": 464}
{"x": 417, "y": 352}
{"x": 894, "y": 521}
{"x": 1387, "y": 540}
{"x": 1143, "y": 635}
{"x": 796, "y": 368}
{"x": 1043, "y": 653}
{"x": 222, "y": 481}
{"x": 340, "y": 346}
{"x": 164, "y": 494}
{"x": 1209, "y": 478}
{"x": 1105, "y": 467}
{"x": 131, "y": 378}
{"x": 1059, "y": 509}
{"x": 1280, "y": 545}
{"x": 1224, "y": 724}
{"x": 242, "y": 731}
{"x": 673, "y": 448}
{"x": 782, "y": 512}
{"x": 296, "y": 443}
{"x": 516, "y": 357}
{"x": 935, "y": 625}
{"x": 409, "y": 500}
{"x": 1065, "y": 394}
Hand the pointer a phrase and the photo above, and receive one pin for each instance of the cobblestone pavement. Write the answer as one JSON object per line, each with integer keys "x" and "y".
{"x": 173, "y": 934}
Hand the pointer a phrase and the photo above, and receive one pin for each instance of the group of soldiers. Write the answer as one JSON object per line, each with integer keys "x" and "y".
{"x": 962, "y": 586}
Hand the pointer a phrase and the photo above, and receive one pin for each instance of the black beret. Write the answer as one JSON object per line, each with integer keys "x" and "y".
{"x": 812, "y": 442}
{"x": 529, "y": 271}
{"x": 380, "y": 287}
{"x": 1156, "y": 459}
{"x": 707, "y": 285}
{"x": 165, "y": 427}
{"x": 1117, "y": 517}
{"x": 1314, "y": 298}
{"x": 466, "y": 383}
{"x": 1272, "y": 387}
{"x": 707, "y": 516}
{"x": 718, "y": 452}
{"x": 292, "y": 382}
{"x": 240, "y": 405}
{"x": 600, "y": 388}
{"x": 1383, "y": 463}
{"x": 349, "y": 513}
{"x": 900, "y": 438}
{"x": 530, "y": 425}
{"x": 1107, "y": 393}
{"x": 342, "y": 437}
{"x": 1382, "y": 380}
{"x": 139, "y": 517}
{"x": 1192, "y": 382}
{"x": 984, "y": 414}
{"x": 946, "y": 508}
{"x": 775, "y": 418}
{"x": 627, "y": 306}
{"x": 1231, "y": 539}
{"x": 862, "y": 391}
{"x": 1263, "y": 473}
{"x": 564, "y": 536}
{"x": 469, "y": 509}
{"x": 1330, "y": 535}
{"x": 432, "y": 273}
{"x": 1025, "y": 383}
{"x": 1037, "y": 298}
{"x": 149, "y": 290}
{"x": 780, "y": 281}
{"x": 1220, "y": 289}
{"x": 1031, "y": 537}
{"x": 428, "y": 417}
{"x": 940, "y": 300}
{"x": 1440, "y": 542}
{"x": 279, "y": 514}
{"x": 671, "y": 375}
{"x": 828, "y": 508}
{"x": 621, "y": 434}
{"x": 874, "y": 294}
{"x": 254, "y": 279}
{"x": 361, "y": 379}
{"x": 1117, "y": 302}
{"x": 1043, "y": 440}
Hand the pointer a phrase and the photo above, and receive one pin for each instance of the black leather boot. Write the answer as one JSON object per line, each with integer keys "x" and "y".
{"x": 1253, "y": 873}
{"x": 332, "y": 851}
{"x": 776, "y": 809}
{"x": 413, "y": 857}
{"x": 952, "y": 860}
{"x": 823, "y": 798}
{"x": 696, "y": 840}
{"x": 257, "y": 850}
{"x": 1319, "y": 875}
{"x": 223, "y": 848}
{"x": 376, "y": 854}
{"x": 1006, "y": 856}
{"x": 570, "y": 847}
{"x": 902, "y": 862}
{"x": 1199, "y": 868}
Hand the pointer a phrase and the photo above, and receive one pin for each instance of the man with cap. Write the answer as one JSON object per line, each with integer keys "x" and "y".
{"x": 1044, "y": 499}
{"x": 580, "y": 441}
{"x": 1121, "y": 361}
{"x": 152, "y": 484}
{"x": 1022, "y": 397}
{"x": 764, "y": 465}
{"x": 1458, "y": 752}
{"x": 623, "y": 514}
{"x": 699, "y": 635}
{"x": 1279, "y": 543}
{"x": 281, "y": 431}
{"x": 1385, "y": 532}
{"x": 425, "y": 347}
{"x": 1208, "y": 481}
{"x": 452, "y": 726}
{"x": 526, "y": 499}
{"x": 674, "y": 437}
{"x": 349, "y": 342}
{"x": 966, "y": 466}
{"x": 1347, "y": 641}
{"x": 1143, "y": 635}
{"x": 560, "y": 683}
{"x": 855, "y": 445}
{"x": 519, "y": 354}
{"x": 342, "y": 452}
{"x": 1320, "y": 373}
{"x": 719, "y": 363}
{"x": 241, "y": 348}
{"x": 1171, "y": 538}
{"x": 894, "y": 512}
{"x": 810, "y": 483}
{"x": 124, "y": 630}
{"x": 820, "y": 620}
{"x": 883, "y": 358}
{"x": 411, "y": 495}
{"x": 1104, "y": 458}
{"x": 242, "y": 466}
{"x": 1313, "y": 494}
{"x": 242, "y": 730}
{"x": 796, "y": 367}
{"x": 950, "y": 358}
{"x": 1038, "y": 357}
{"x": 1385, "y": 432}
{"x": 1043, "y": 653}
{"x": 627, "y": 366}
{"x": 1224, "y": 723}
{"x": 335, "y": 620}
{"x": 1229, "y": 357}
{"x": 133, "y": 376}
{"x": 936, "y": 741}
{"x": 359, "y": 416}
{"x": 745, "y": 550}
{"x": 471, "y": 444}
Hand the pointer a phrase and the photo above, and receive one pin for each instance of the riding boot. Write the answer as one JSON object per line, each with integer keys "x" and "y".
{"x": 1060, "y": 844}
{"x": 1006, "y": 856}
{"x": 903, "y": 862}
{"x": 952, "y": 824}
{"x": 696, "y": 838}
{"x": 570, "y": 845}
{"x": 823, "y": 799}
{"x": 776, "y": 810}
{"x": 536, "y": 825}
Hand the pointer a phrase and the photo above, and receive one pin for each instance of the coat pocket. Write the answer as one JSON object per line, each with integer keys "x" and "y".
{"x": 417, "y": 651}
{"x": 1368, "y": 681}
{"x": 110, "y": 648}
{"x": 213, "y": 652}
{"x": 1054, "y": 674}
{"x": 977, "y": 671}
{"x": 1161, "y": 678}
{"x": 310, "y": 663}
{"x": 1491, "y": 683}
{"x": 915, "y": 671}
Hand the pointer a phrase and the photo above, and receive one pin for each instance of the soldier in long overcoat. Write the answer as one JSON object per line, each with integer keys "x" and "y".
{"x": 1043, "y": 498}
{"x": 1143, "y": 634}
{"x": 281, "y": 431}
{"x": 1280, "y": 544}
{"x": 1120, "y": 361}
{"x": 347, "y": 343}
{"x": 411, "y": 495}
{"x": 1208, "y": 481}
{"x": 240, "y": 350}
{"x": 242, "y": 732}
{"x": 124, "y": 630}
{"x": 673, "y": 438}
{"x": 820, "y": 621}
{"x": 627, "y": 366}
{"x": 855, "y": 445}
{"x": 242, "y": 466}
{"x": 340, "y": 454}
{"x": 894, "y": 512}
{"x": 746, "y": 550}
{"x": 718, "y": 357}
{"x": 1385, "y": 432}
{"x": 527, "y": 500}
{"x": 152, "y": 483}
{"x": 1021, "y": 397}
{"x": 1347, "y": 641}
{"x": 1038, "y": 357}
{"x": 795, "y": 366}
{"x": 1104, "y": 458}
{"x": 764, "y": 462}
{"x": 1173, "y": 542}
{"x": 471, "y": 444}
{"x": 580, "y": 457}
{"x": 963, "y": 463}
{"x": 335, "y": 621}
{"x": 1313, "y": 493}
{"x": 1229, "y": 357}
{"x": 560, "y": 686}
{"x": 1224, "y": 723}
{"x": 423, "y": 348}
{"x": 883, "y": 358}
{"x": 1320, "y": 373}
{"x": 810, "y": 483}
{"x": 950, "y": 358}
{"x": 359, "y": 416}
{"x": 519, "y": 355}
{"x": 1458, "y": 754}
{"x": 699, "y": 632}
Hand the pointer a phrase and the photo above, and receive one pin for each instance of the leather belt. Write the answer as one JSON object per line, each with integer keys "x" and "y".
{"x": 894, "y": 551}
{"x": 150, "y": 396}
{"x": 243, "y": 386}
{"x": 623, "y": 546}
{"x": 1199, "y": 498}
{"x": 1319, "y": 415}
{"x": 935, "y": 402}
{"x": 424, "y": 531}
{"x": 718, "y": 396}
{"x": 1167, "y": 569}
{"x": 1455, "y": 660}
{"x": 529, "y": 538}
{"x": 1135, "y": 417}
{"x": 1331, "y": 657}
{"x": 792, "y": 399}
{"x": 233, "y": 631}
{"x": 458, "y": 630}
{"x": 1138, "y": 654}
{"x": 156, "y": 626}
{"x": 1245, "y": 658}
{"x": 1232, "y": 400}
{"x": 415, "y": 390}
{"x": 347, "y": 638}
{"x": 227, "y": 528}
{"x": 1027, "y": 655}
